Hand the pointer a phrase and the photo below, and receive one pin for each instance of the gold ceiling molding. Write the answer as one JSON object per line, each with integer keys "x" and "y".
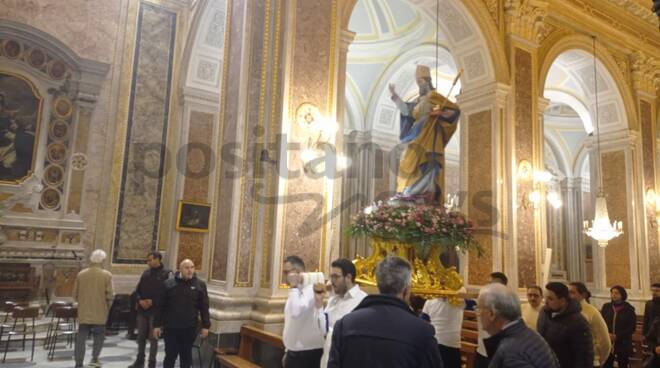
{"x": 645, "y": 75}
{"x": 526, "y": 18}
{"x": 637, "y": 10}
{"x": 493, "y": 7}
{"x": 630, "y": 26}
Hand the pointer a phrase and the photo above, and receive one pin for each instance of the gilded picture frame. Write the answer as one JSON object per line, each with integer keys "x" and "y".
{"x": 21, "y": 108}
{"x": 193, "y": 217}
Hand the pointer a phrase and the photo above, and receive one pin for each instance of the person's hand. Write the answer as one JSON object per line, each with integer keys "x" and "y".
{"x": 204, "y": 333}
{"x": 294, "y": 279}
{"x": 284, "y": 360}
{"x": 392, "y": 88}
{"x": 657, "y": 350}
{"x": 145, "y": 303}
{"x": 157, "y": 332}
{"x": 319, "y": 294}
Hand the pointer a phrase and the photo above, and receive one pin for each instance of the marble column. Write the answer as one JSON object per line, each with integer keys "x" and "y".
{"x": 483, "y": 181}
{"x": 571, "y": 189}
{"x": 524, "y": 22}
{"x": 644, "y": 85}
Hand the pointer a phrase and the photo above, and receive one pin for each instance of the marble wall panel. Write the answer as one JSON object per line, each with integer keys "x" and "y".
{"x": 249, "y": 207}
{"x": 89, "y": 27}
{"x": 525, "y": 120}
{"x": 617, "y": 255}
{"x": 305, "y": 202}
{"x": 480, "y": 199}
{"x": 198, "y": 166}
{"x": 77, "y": 176}
{"x": 648, "y": 137}
{"x": 228, "y": 166}
{"x": 275, "y": 125}
{"x": 144, "y": 156}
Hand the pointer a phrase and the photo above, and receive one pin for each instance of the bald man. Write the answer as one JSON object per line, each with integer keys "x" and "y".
{"x": 185, "y": 300}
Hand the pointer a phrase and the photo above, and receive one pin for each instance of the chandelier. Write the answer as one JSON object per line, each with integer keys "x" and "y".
{"x": 601, "y": 229}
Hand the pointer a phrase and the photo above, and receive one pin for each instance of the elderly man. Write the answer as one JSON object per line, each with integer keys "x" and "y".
{"x": 93, "y": 292}
{"x": 346, "y": 296}
{"x": 383, "y": 331}
{"x": 530, "y": 310}
{"x": 512, "y": 344}
{"x": 185, "y": 300}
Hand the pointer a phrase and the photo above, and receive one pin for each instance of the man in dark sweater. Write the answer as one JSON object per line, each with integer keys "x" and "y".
{"x": 382, "y": 331}
{"x": 148, "y": 293}
{"x": 652, "y": 309}
{"x": 565, "y": 329}
{"x": 184, "y": 301}
{"x": 512, "y": 344}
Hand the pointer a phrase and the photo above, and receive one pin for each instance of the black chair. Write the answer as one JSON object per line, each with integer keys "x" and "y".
{"x": 52, "y": 308}
{"x": 21, "y": 328}
{"x": 64, "y": 326}
{"x": 119, "y": 314}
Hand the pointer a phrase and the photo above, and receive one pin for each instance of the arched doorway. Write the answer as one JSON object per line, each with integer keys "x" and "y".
{"x": 392, "y": 37}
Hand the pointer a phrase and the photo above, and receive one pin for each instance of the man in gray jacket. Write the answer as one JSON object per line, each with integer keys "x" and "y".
{"x": 512, "y": 344}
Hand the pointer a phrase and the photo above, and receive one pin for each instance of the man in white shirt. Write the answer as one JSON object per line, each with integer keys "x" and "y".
{"x": 447, "y": 319}
{"x": 346, "y": 296}
{"x": 303, "y": 343}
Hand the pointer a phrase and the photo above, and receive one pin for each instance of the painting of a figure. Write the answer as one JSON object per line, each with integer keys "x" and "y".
{"x": 20, "y": 111}
{"x": 193, "y": 216}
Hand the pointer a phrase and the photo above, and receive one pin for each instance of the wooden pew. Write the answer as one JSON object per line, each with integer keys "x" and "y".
{"x": 249, "y": 335}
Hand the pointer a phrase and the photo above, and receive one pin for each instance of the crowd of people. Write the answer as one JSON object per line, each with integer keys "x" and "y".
{"x": 339, "y": 325}
{"x": 168, "y": 304}
{"x": 556, "y": 328}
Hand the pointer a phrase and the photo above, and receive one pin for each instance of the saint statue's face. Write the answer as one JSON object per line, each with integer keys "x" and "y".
{"x": 424, "y": 86}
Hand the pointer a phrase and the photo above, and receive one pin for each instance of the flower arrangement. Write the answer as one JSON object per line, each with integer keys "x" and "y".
{"x": 423, "y": 225}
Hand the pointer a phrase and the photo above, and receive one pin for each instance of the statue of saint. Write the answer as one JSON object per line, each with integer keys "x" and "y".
{"x": 427, "y": 125}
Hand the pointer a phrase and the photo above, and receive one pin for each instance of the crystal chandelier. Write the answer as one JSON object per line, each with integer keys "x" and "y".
{"x": 601, "y": 229}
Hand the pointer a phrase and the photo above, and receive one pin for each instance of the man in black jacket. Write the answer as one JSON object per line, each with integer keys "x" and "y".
{"x": 621, "y": 322}
{"x": 148, "y": 293}
{"x": 565, "y": 329}
{"x": 185, "y": 300}
{"x": 382, "y": 331}
{"x": 652, "y": 309}
{"x": 512, "y": 344}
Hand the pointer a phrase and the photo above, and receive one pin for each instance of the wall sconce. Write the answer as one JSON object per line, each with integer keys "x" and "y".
{"x": 321, "y": 133}
{"x": 540, "y": 180}
{"x": 653, "y": 201}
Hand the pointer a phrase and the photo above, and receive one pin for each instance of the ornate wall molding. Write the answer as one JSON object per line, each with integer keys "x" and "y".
{"x": 645, "y": 73}
{"x": 526, "y": 18}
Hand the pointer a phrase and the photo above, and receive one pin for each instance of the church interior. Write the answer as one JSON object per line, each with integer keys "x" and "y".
{"x": 236, "y": 133}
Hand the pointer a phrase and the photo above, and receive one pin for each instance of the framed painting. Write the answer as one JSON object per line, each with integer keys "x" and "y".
{"x": 20, "y": 118}
{"x": 193, "y": 216}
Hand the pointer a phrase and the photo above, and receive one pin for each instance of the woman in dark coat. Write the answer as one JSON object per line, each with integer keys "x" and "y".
{"x": 621, "y": 321}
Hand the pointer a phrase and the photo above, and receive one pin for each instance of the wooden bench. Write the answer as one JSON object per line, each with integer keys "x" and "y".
{"x": 243, "y": 357}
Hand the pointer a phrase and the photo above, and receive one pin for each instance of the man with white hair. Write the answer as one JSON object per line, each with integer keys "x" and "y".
{"x": 511, "y": 343}
{"x": 93, "y": 292}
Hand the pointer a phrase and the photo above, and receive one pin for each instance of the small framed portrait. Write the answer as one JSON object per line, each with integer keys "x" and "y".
{"x": 193, "y": 216}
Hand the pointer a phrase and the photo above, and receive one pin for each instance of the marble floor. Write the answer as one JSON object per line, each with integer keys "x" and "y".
{"x": 118, "y": 352}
